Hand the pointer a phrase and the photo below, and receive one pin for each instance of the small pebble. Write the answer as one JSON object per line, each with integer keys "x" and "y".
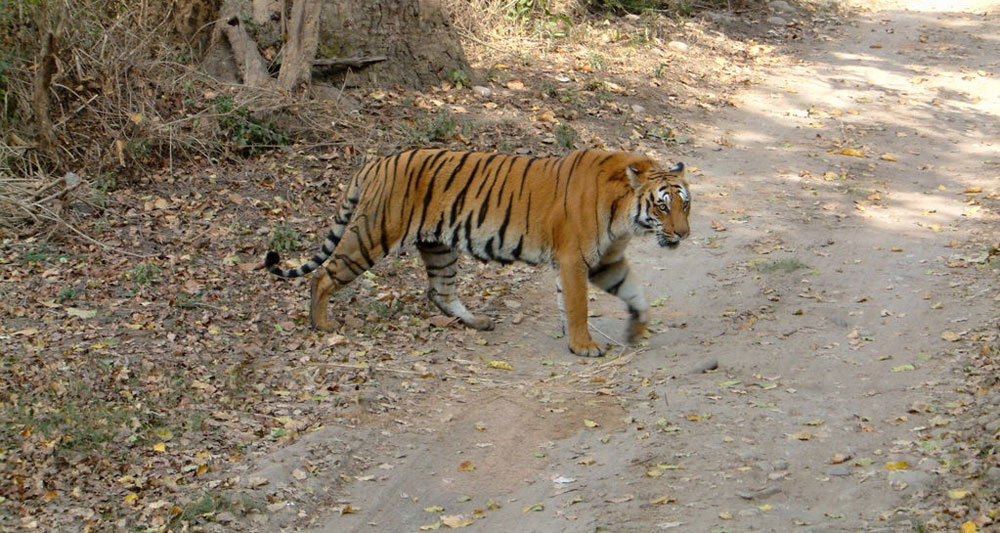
{"x": 677, "y": 46}
{"x": 781, "y": 6}
{"x": 484, "y": 92}
{"x": 838, "y": 470}
{"x": 777, "y": 21}
{"x": 705, "y": 366}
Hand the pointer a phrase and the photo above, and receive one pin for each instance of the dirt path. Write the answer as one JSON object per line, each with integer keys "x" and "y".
{"x": 828, "y": 288}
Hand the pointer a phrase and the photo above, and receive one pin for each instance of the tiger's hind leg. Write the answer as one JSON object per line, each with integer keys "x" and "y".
{"x": 614, "y": 276}
{"x": 349, "y": 261}
{"x": 442, "y": 267}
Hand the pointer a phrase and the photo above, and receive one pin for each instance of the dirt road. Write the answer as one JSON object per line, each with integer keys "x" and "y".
{"x": 841, "y": 210}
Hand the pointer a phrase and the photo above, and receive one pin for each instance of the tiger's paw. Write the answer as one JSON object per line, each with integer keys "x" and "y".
{"x": 636, "y": 332}
{"x": 480, "y": 323}
{"x": 586, "y": 349}
{"x": 322, "y": 323}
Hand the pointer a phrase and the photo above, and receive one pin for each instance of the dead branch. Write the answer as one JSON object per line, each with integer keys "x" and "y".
{"x": 44, "y": 71}
{"x": 347, "y": 62}
{"x": 248, "y": 58}
{"x": 71, "y": 180}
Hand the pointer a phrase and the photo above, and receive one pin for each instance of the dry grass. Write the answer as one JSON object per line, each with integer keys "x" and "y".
{"x": 126, "y": 99}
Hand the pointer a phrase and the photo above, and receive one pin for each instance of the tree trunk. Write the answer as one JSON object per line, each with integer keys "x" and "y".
{"x": 417, "y": 37}
{"x": 384, "y": 42}
{"x": 300, "y": 49}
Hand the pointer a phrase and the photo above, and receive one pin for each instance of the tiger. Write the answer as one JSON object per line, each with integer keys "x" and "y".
{"x": 577, "y": 212}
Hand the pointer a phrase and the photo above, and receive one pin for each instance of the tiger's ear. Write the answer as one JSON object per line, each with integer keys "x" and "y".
{"x": 633, "y": 176}
{"x": 635, "y": 168}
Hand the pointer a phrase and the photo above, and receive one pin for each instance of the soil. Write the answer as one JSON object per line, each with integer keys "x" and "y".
{"x": 816, "y": 345}
{"x": 820, "y": 285}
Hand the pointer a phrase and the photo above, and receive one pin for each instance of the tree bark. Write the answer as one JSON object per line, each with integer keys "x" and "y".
{"x": 300, "y": 49}
{"x": 415, "y": 37}
{"x": 248, "y": 59}
{"x": 44, "y": 71}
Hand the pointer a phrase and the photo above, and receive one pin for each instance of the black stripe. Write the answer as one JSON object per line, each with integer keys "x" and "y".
{"x": 506, "y": 180}
{"x": 503, "y": 226}
{"x": 437, "y": 230}
{"x": 484, "y": 208}
{"x": 524, "y": 176}
{"x": 569, "y": 178}
{"x": 427, "y": 199}
{"x": 354, "y": 267}
{"x": 485, "y": 173}
{"x": 362, "y": 248}
{"x": 602, "y": 268}
{"x": 458, "y": 167}
{"x": 460, "y": 197}
{"x": 527, "y": 216}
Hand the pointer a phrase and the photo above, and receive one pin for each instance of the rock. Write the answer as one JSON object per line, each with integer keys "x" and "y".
{"x": 777, "y": 21}
{"x": 748, "y": 513}
{"x": 677, "y": 46}
{"x": 993, "y": 474}
{"x": 225, "y": 517}
{"x": 780, "y": 465}
{"x": 638, "y": 109}
{"x": 705, "y": 366}
{"x": 838, "y": 470}
{"x": 748, "y": 455}
{"x": 482, "y": 92}
{"x": 993, "y": 426}
{"x": 780, "y": 6}
{"x": 914, "y": 479}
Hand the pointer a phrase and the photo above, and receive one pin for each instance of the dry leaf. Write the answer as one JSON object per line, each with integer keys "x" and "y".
{"x": 81, "y": 313}
{"x": 950, "y": 335}
{"x": 500, "y": 365}
{"x": 888, "y": 157}
{"x": 466, "y": 466}
{"x": 456, "y": 521}
{"x": 852, "y": 152}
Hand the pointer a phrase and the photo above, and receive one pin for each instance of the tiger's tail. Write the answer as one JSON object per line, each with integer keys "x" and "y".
{"x": 344, "y": 214}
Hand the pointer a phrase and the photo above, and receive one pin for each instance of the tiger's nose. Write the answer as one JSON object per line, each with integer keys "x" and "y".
{"x": 682, "y": 232}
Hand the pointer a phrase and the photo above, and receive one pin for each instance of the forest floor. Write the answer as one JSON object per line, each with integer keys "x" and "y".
{"x": 826, "y": 347}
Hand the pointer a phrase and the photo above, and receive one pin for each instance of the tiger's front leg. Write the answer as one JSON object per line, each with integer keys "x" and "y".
{"x": 573, "y": 280}
{"x": 616, "y": 278}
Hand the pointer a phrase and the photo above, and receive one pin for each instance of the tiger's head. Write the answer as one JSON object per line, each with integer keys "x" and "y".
{"x": 663, "y": 201}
